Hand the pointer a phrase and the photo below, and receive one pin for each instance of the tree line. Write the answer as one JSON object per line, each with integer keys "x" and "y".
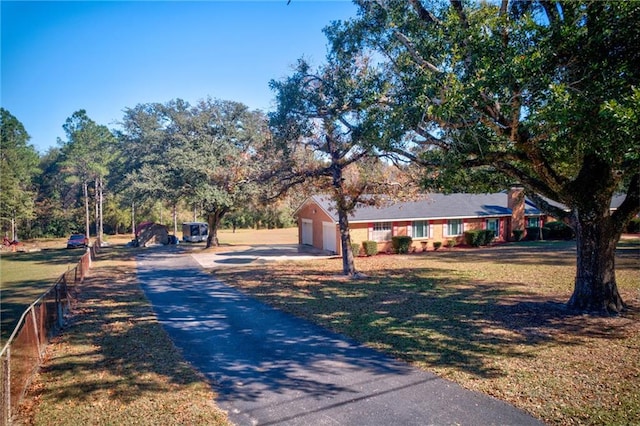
{"x": 450, "y": 95}
{"x": 157, "y": 167}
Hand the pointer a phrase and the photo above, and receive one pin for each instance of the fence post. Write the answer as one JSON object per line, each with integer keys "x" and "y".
{"x": 89, "y": 256}
{"x": 59, "y": 306}
{"x": 5, "y": 416}
{"x": 34, "y": 318}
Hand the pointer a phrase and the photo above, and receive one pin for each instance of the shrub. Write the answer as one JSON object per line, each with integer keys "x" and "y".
{"x": 451, "y": 243}
{"x": 370, "y": 248}
{"x": 355, "y": 248}
{"x": 401, "y": 244}
{"x": 518, "y": 234}
{"x": 633, "y": 227}
{"x": 437, "y": 245}
{"x": 533, "y": 233}
{"x": 473, "y": 238}
{"x": 488, "y": 235}
{"x": 479, "y": 237}
{"x": 557, "y": 231}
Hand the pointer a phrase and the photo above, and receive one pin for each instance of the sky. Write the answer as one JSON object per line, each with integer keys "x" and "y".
{"x": 105, "y": 56}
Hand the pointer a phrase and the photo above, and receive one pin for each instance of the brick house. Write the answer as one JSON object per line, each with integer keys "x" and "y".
{"x": 437, "y": 217}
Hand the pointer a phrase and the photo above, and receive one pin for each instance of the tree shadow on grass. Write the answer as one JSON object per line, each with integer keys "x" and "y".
{"x": 553, "y": 253}
{"x": 445, "y": 322}
{"x": 18, "y": 294}
{"x": 112, "y": 347}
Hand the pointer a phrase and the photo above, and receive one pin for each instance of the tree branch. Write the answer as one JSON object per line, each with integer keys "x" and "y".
{"x": 548, "y": 208}
{"x": 423, "y": 13}
{"x": 630, "y": 207}
{"x": 423, "y": 63}
{"x": 459, "y": 8}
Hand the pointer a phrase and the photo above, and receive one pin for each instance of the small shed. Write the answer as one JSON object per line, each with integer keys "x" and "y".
{"x": 152, "y": 234}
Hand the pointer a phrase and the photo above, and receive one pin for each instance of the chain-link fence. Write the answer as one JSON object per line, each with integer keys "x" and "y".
{"x": 23, "y": 352}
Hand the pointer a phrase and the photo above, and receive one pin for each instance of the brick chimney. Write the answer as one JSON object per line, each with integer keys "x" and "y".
{"x": 515, "y": 202}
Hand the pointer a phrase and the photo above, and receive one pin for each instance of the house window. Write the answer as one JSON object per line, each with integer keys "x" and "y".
{"x": 494, "y": 225}
{"x": 454, "y": 227}
{"x": 420, "y": 229}
{"x": 533, "y": 222}
{"x": 381, "y": 231}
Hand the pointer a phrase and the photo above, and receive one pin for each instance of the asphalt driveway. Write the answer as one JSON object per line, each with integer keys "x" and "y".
{"x": 271, "y": 368}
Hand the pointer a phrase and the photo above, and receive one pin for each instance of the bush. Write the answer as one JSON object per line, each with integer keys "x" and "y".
{"x": 473, "y": 238}
{"x": 479, "y": 237}
{"x": 633, "y": 227}
{"x": 533, "y": 233}
{"x": 451, "y": 243}
{"x": 401, "y": 244}
{"x": 437, "y": 245}
{"x": 355, "y": 248}
{"x": 488, "y": 235}
{"x": 370, "y": 248}
{"x": 518, "y": 234}
{"x": 557, "y": 231}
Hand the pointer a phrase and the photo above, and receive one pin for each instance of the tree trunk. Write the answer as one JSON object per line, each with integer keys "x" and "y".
{"x": 14, "y": 228}
{"x": 100, "y": 210}
{"x": 85, "y": 192}
{"x": 348, "y": 263}
{"x": 96, "y": 218}
{"x": 175, "y": 219}
{"x": 595, "y": 284}
{"x": 133, "y": 219}
{"x": 214, "y": 219}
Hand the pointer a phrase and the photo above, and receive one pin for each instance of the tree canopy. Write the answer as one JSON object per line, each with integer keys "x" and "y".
{"x": 326, "y": 127}
{"x": 209, "y": 154}
{"x": 86, "y": 156}
{"x": 543, "y": 94}
{"x": 19, "y": 166}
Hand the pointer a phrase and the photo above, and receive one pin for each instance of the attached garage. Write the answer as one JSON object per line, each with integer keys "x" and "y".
{"x": 316, "y": 227}
{"x": 307, "y": 232}
{"x": 329, "y": 237}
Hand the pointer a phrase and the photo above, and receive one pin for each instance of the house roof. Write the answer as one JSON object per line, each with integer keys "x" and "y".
{"x": 431, "y": 207}
{"x": 438, "y": 206}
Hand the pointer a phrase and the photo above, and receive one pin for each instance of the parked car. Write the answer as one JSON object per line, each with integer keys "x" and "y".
{"x": 77, "y": 240}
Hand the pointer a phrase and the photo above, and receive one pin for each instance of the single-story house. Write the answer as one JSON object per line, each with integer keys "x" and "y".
{"x": 434, "y": 217}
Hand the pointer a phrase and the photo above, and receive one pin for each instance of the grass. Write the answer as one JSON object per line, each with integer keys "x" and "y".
{"x": 24, "y": 276}
{"x": 114, "y": 364}
{"x": 492, "y": 319}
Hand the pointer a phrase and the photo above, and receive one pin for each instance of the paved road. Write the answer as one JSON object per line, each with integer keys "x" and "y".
{"x": 271, "y": 368}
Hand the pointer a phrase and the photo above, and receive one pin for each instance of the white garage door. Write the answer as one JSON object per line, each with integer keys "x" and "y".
{"x": 307, "y": 232}
{"x": 329, "y": 237}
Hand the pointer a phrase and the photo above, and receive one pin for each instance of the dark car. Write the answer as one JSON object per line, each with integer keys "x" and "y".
{"x": 77, "y": 240}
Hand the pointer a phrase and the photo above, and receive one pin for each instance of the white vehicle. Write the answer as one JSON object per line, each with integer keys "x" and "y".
{"x": 194, "y": 232}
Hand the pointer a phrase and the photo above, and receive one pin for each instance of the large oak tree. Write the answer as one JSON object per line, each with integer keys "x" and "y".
{"x": 325, "y": 128}
{"x": 545, "y": 93}
{"x": 209, "y": 154}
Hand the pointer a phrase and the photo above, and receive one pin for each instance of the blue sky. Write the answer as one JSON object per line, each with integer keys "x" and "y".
{"x": 59, "y": 57}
